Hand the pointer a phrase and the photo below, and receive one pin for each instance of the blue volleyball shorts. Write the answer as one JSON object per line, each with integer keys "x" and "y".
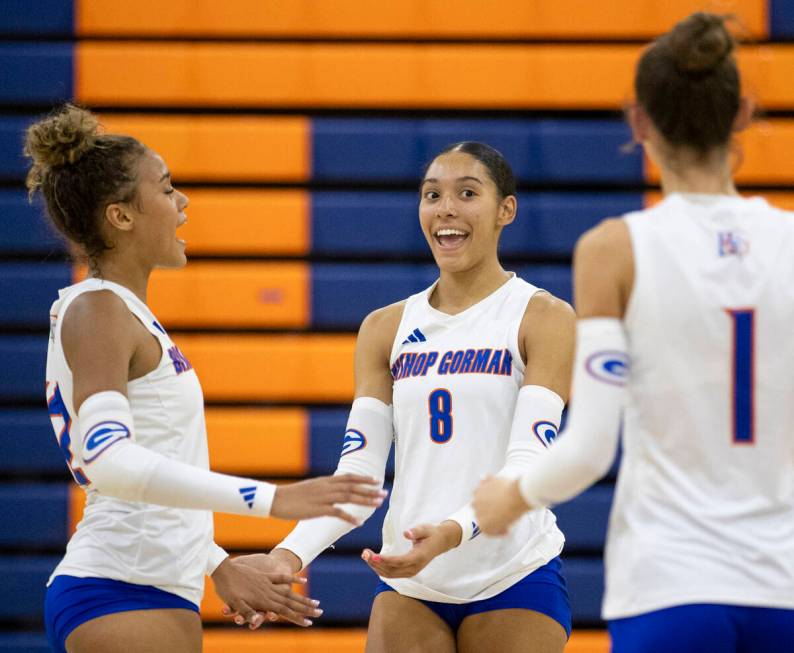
{"x": 544, "y": 591}
{"x": 72, "y": 601}
{"x": 702, "y": 627}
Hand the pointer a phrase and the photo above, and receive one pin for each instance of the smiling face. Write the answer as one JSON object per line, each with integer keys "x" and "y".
{"x": 156, "y": 212}
{"x": 462, "y": 212}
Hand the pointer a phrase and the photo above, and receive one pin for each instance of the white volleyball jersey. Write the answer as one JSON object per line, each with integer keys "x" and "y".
{"x": 122, "y": 540}
{"x": 456, "y": 381}
{"x": 704, "y": 506}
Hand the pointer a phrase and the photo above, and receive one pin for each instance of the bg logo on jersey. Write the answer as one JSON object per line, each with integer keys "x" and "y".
{"x": 354, "y": 440}
{"x": 101, "y": 437}
{"x": 609, "y": 366}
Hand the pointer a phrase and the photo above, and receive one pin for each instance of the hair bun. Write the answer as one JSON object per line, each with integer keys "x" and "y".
{"x": 700, "y": 43}
{"x": 61, "y": 138}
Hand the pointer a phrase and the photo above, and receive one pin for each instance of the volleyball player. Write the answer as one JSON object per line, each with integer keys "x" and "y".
{"x": 695, "y": 295}
{"x": 127, "y": 408}
{"x": 466, "y": 378}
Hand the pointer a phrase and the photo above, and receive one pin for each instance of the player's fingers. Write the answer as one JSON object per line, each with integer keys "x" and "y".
{"x": 271, "y": 616}
{"x": 418, "y": 532}
{"x": 283, "y": 579}
{"x": 355, "y": 479}
{"x": 245, "y": 612}
{"x": 294, "y": 617}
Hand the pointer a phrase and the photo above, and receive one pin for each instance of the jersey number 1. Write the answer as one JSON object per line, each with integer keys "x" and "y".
{"x": 439, "y": 405}
{"x": 743, "y": 373}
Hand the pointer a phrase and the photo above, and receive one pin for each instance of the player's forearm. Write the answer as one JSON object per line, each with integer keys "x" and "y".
{"x": 365, "y": 449}
{"x": 119, "y": 467}
{"x": 585, "y": 450}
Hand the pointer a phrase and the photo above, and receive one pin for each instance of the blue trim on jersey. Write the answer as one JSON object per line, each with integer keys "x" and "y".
{"x": 743, "y": 375}
{"x": 705, "y": 627}
{"x": 72, "y": 601}
{"x": 544, "y": 591}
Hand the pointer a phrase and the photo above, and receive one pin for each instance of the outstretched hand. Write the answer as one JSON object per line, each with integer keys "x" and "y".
{"x": 318, "y": 497}
{"x": 256, "y": 592}
{"x": 497, "y": 504}
{"x": 429, "y": 541}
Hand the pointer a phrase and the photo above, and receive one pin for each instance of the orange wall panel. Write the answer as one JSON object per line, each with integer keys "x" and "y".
{"x": 317, "y": 640}
{"x": 764, "y": 155}
{"x": 385, "y": 75}
{"x": 398, "y": 18}
{"x": 222, "y": 148}
{"x": 242, "y": 221}
{"x": 299, "y": 368}
{"x": 232, "y": 294}
{"x": 258, "y": 441}
{"x": 291, "y": 639}
{"x": 251, "y": 533}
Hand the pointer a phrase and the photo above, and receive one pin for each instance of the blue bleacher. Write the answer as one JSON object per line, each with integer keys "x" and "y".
{"x": 27, "y": 291}
{"x": 24, "y": 642}
{"x": 545, "y": 150}
{"x": 781, "y": 20}
{"x": 28, "y": 443}
{"x": 23, "y": 226}
{"x": 38, "y": 18}
{"x": 23, "y": 586}
{"x": 36, "y": 73}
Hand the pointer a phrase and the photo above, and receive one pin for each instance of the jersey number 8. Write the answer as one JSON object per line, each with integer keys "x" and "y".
{"x": 439, "y": 405}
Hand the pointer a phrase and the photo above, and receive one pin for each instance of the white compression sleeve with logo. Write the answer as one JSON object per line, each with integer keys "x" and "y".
{"x": 119, "y": 467}
{"x": 536, "y": 420}
{"x": 365, "y": 450}
{"x": 586, "y": 448}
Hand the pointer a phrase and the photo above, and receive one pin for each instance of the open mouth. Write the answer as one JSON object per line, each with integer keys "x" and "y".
{"x": 450, "y": 238}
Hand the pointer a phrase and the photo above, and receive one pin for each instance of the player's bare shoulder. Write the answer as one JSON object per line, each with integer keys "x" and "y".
{"x": 380, "y": 326}
{"x": 99, "y": 313}
{"x": 603, "y": 265}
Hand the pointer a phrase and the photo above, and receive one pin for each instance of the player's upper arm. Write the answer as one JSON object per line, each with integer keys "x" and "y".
{"x": 98, "y": 338}
{"x": 373, "y": 350}
{"x": 548, "y": 336}
{"x": 603, "y": 270}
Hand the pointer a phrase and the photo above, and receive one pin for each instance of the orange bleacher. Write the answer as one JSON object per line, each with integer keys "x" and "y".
{"x": 434, "y": 19}
{"x": 242, "y": 221}
{"x": 493, "y": 76}
{"x": 273, "y": 368}
{"x": 223, "y": 148}
{"x": 232, "y": 295}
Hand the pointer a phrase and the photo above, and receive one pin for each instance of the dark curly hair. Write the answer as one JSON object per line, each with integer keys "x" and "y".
{"x": 79, "y": 171}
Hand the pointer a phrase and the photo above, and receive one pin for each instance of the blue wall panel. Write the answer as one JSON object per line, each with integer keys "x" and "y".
{"x": 23, "y": 368}
{"x": 367, "y": 223}
{"x": 12, "y": 138}
{"x": 24, "y": 228}
{"x": 343, "y": 294}
{"x": 585, "y": 578}
{"x": 387, "y": 223}
{"x": 27, "y": 291}
{"x": 538, "y": 150}
{"x": 24, "y": 643}
{"x": 584, "y": 520}
{"x": 36, "y": 73}
{"x": 38, "y": 511}
{"x": 37, "y": 18}
{"x": 24, "y": 584}
{"x": 781, "y": 19}
{"x": 548, "y": 224}
{"x": 554, "y": 278}
{"x": 28, "y": 443}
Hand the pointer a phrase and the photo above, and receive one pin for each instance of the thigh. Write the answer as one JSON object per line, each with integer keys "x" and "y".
{"x": 766, "y": 630}
{"x": 513, "y": 630}
{"x": 400, "y": 624}
{"x": 683, "y": 629}
{"x": 138, "y": 631}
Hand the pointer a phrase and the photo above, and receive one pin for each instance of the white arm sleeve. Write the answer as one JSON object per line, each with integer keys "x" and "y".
{"x": 536, "y": 421}
{"x": 365, "y": 450}
{"x": 586, "y": 448}
{"x": 118, "y": 467}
